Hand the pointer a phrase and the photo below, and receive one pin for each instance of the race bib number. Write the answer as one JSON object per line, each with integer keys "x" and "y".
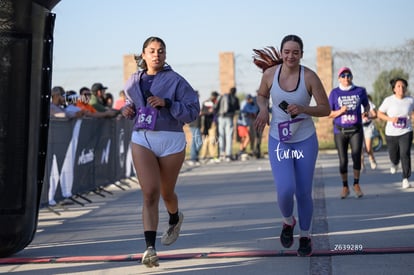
{"x": 401, "y": 123}
{"x": 288, "y": 128}
{"x": 348, "y": 119}
{"x": 146, "y": 119}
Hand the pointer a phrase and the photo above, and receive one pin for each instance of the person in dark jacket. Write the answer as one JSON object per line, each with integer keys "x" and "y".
{"x": 227, "y": 107}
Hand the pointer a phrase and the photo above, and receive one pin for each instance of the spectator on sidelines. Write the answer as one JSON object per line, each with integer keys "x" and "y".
{"x": 70, "y": 103}
{"x": 121, "y": 101}
{"x": 245, "y": 122}
{"x": 83, "y": 103}
{"x": 196, "y": 140}
{"x": 209, "y": 148}
{"x": 109, "y": 100}
{"x": 57, "y": 105}
{"x": 255, "y": 136}
{"x": 58, "y": 102}
{"x": 83, "y": 100}
{"x": 226, "y": 107}
{"x": 98, "y": 100}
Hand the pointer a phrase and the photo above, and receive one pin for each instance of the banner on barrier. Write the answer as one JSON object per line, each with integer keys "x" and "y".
{"x": 85, "y": 154}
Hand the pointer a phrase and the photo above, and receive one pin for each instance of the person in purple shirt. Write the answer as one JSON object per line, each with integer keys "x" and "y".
{"x": 161, "y": 101}
{"x": 346, "y": 101}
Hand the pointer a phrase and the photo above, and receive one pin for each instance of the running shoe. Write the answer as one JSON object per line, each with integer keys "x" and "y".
{"x": 345, "y": 192}
{"x": 173, "y": 231}
{"x": 393, "y": 169}
{"x": 150, "y": 258}
{"x": 286, "y": 237}
{"x": 405, "y": 184}
{"x": 373, "y": 164}
{"x": 305, "y": 247}
{"x": 357, "y": 190}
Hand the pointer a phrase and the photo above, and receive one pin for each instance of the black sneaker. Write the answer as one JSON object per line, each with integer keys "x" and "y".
{"x": 286, "y": 237}
{"x": 305, "y": 247}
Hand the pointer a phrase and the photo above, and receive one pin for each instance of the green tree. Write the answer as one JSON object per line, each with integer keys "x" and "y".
{"x": 382, "y": 87}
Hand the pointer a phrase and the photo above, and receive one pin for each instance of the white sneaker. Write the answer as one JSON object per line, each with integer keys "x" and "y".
{"x": 373, "y": 164}
{"x": 405, "y": 184}
{"x": 393, "y": 169}
{"x": 197, "y": 163}
{"x": 214, "y": 160}
{"x": 193, "y": 163}
{"x": 150, "y": 258}
{"x": 173, "y": 231}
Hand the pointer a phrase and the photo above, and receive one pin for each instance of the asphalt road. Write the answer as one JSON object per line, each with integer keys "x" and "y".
{"x": 232, "y": 225}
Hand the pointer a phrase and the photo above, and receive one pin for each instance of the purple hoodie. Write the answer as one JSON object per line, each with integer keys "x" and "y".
{"x": 185, "y": 106}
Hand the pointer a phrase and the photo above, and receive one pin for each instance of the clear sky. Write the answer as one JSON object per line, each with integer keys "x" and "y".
{"x": 91, "y": 36}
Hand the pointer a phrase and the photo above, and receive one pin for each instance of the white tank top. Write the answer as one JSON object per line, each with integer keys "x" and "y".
{"x": 300, "y": 96}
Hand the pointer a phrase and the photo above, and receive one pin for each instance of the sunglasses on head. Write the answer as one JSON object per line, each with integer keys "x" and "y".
{"x": 345, "y": 75}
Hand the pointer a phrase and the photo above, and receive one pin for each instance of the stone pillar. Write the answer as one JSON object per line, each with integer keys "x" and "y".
{"x": 324, "y": 69}
{"x": 227, "y": 71}
{"x": 130, "y": 66}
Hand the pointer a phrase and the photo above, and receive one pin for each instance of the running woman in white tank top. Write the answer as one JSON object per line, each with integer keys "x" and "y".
{"x": 293, "y": 145}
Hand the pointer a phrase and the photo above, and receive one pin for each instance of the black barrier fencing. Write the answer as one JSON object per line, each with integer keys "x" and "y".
{"x": 85, "y": 155}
